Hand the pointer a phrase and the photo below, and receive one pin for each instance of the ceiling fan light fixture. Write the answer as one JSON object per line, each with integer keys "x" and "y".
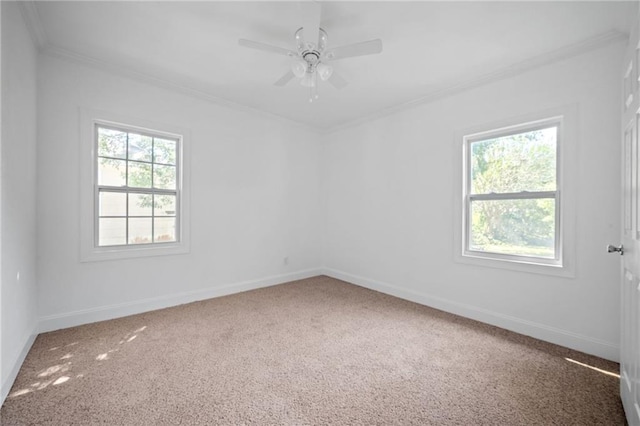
{"x": 324, "y": 71}
{"x": 299, "y": 68}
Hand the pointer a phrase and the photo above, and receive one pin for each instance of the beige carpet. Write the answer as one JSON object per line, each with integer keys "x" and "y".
{"x": 316, "y": 351}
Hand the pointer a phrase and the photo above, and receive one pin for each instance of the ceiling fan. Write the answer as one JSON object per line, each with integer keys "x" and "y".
{"x": 311, "y": 60}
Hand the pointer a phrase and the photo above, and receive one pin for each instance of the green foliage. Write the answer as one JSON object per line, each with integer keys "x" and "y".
{"x": 512, "y": 164}
{"x": 523, "y": 162}
{"x": 137, "y": 171}
{"x": 112, "y": 143}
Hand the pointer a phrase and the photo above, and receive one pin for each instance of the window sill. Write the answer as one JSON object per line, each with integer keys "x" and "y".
{"x": 527, "y": 266}
{"x": 132, "y": 252}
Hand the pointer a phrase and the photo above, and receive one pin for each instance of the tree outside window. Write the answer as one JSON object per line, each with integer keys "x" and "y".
{"x": 137, "y": 176}
{"x": 512, "y": 192}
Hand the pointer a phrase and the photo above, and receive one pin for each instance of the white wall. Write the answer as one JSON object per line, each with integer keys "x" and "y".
{"x": 383, "y": 218}
{"x": 389, "y": 200}
{"x": 18, "y": 187}
{"x": 385, "y": 210}
{"x": 254, "y": 200}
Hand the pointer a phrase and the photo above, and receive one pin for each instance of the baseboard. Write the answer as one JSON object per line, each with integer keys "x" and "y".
{"x": 15, "y": 368}
{"x": 554, "y": 335}
{"x": 101, "y": 313}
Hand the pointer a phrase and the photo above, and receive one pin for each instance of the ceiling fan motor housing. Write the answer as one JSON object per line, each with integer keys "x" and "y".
{"x": 311, "y": 56}
{"x": 309, "y": 51}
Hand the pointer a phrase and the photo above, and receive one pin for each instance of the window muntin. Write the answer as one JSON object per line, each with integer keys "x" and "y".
{"x": 512, "y": 203}
{"x": 137, "y": 197}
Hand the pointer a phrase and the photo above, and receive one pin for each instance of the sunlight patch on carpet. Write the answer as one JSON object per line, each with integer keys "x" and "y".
{"x": 599, "y": 370}
{"x": 20, "y": 392}
{"x": 61, "y": 380}
{"x": 54, "y": 369}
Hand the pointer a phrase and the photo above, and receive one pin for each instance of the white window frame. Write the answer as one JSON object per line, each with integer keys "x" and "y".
{"x": 566, "y": 152}
{"x": 89, "y": 248}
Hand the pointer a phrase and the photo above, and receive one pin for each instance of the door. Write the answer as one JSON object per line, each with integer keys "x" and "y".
{"x": 629, "y": 389}
{"x": 630, "y": 283}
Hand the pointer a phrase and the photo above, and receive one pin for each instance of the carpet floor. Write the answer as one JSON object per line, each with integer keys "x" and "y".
{"x": 315, "y": 351}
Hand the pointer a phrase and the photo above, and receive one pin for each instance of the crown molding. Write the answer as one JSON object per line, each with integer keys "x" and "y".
{"x": 33, "y": 22}
{"x": 37, "y": 32}
{"x": 82, "y": 59}
{"x": 548, "y": 58}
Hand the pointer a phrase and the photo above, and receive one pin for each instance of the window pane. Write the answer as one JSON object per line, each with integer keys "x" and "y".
{"x": 518, "y": 227}
{"x": 515, "y": 163}
{"x": 164, "y": 229}
{"x": 140, "y": 147}
{"x": 112, "y": 232}
{"x": 139, "y": 175}
{"x": 140, "y": 204}
{"x": 140, "y": 231}
{"x": 112, "y": 143}
{"x": 138, "y": 165}
{"x": 113, "y": 204}
{"x": 165, "y": 205}
{"x": 111, "y": 172}
{"x": 164, "y": 177}
{"x": 164, "y": 151}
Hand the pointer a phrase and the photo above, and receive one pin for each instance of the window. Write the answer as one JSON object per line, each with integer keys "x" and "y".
{"x": 137, "y": 195}
{"x": 512, "y": 198}
{"x": 134, "y": 191}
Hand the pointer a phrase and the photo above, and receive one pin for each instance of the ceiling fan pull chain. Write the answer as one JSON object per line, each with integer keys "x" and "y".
{"x": 315, "y": 85}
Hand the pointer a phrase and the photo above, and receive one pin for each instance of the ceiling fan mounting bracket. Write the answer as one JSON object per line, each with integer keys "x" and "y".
{"x": 315, "y": 45}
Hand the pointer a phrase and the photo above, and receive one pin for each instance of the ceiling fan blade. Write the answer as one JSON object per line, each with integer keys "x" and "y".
{"x": 370, "y": 47}
{"x": 266, "y": 47}
{"x": 284, "y": 79}
{"x": 337, "y": 81}
{"x": 310, "y": 21}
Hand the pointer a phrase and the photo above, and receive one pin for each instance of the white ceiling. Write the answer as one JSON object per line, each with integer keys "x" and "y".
{"x": 430, "y": 48}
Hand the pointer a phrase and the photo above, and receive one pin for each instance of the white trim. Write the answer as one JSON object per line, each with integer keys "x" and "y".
{"x": 33, "y": 22}
{"x": 539, "y": 61}
{"x": 554, "y": 56}
{"x": 579, "y": 342}
{"x": 469, "y": 197}
{"x": 17, "y": 364}
{"x": 627, "y": 73}
{"x": 102, "y": 313}
{"x": 88, "y": 250}
{"x": 198, "y": 93}
{"x": 625, "y": 378}
{"x": 566, "y": 172}
{"x": 628, "y": 402}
